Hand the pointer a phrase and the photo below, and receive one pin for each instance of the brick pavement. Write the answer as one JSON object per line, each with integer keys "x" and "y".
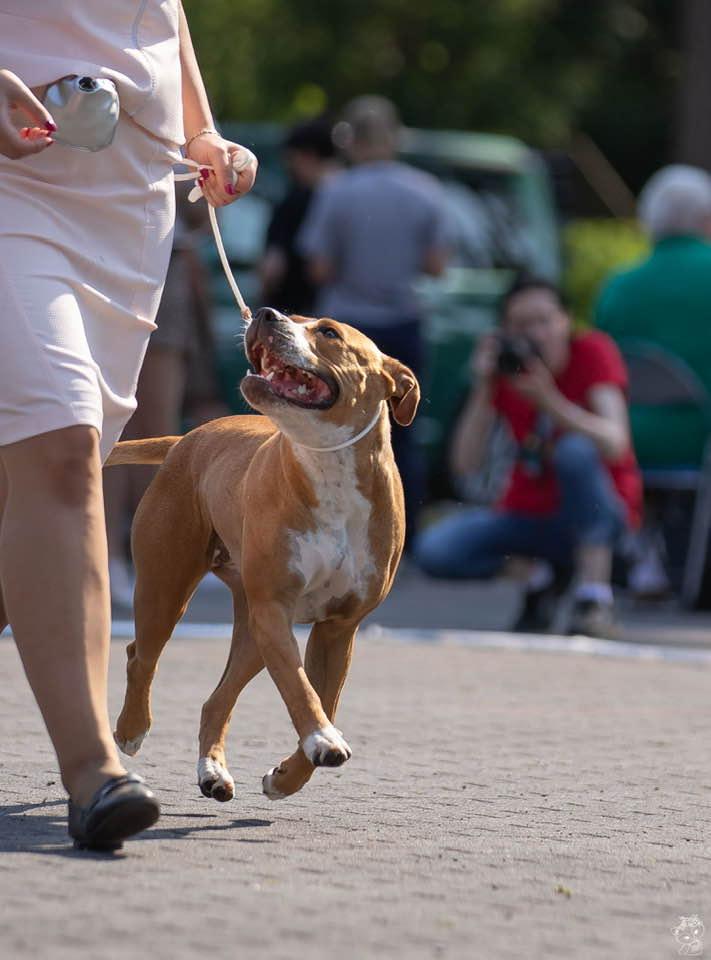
{"x": 497, "y": 803}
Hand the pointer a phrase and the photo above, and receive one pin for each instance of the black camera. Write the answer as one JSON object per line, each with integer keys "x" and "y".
{"x": 515, "y": 352}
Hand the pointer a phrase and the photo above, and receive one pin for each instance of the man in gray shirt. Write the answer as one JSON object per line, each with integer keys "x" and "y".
{"x": 370, "y": 232}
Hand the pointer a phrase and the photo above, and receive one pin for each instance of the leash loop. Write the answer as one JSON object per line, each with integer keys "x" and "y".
{"x": 194, "y": 195}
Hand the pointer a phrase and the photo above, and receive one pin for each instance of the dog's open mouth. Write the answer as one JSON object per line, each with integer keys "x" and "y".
{"x": 295, "y": 384}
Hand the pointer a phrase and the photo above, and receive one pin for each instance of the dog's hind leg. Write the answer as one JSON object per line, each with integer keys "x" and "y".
{"x": 170, "y": 551}
{"x": 244, "y": 662}
{"x": 328, "y": 657}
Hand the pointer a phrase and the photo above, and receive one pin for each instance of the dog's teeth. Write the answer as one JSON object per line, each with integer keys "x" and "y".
{"x": 302, "y": 389}
{"x": 270, "y": 375}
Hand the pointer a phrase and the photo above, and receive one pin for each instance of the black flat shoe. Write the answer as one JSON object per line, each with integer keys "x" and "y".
{"x": 121, "y": 807}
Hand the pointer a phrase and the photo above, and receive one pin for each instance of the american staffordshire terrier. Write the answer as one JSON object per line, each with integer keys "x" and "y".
{"x": 299, "y": 511}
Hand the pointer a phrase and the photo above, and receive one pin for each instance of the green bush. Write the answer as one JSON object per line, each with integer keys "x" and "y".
{"x": 592, "y": 249}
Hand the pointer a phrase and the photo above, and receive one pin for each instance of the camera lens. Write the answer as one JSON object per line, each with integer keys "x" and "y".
{"x": 514, "y": 354}
{"x": 87, "y": 84}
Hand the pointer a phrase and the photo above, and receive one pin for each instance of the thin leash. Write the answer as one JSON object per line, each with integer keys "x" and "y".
{"x": 194, "y": 195}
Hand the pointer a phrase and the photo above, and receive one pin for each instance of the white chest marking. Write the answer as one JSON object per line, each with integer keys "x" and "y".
{"x": 334, "y": 559}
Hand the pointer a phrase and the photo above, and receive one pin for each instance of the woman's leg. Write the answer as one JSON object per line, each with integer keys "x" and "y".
{"x": 473, "y": 543}
{"x": 594, "y": 512}
{"x": 117, "y": 485}
{"x": 3, "y": 497}
{"x": 161, "y": 387}
{"x": 590, "y": 506}
{"x": 54, "y": 576}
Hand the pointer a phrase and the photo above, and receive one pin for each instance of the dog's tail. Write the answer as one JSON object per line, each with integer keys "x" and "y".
{"x": 154, "y": 450}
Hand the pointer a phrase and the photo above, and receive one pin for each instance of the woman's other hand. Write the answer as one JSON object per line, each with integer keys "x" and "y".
{"x": 234, "y": 168}
{"x": 484, "y": 360}
{"x": 15, "y": 98}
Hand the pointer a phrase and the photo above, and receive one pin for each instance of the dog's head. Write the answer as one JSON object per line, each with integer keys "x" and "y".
{"x": 318, "y": 379}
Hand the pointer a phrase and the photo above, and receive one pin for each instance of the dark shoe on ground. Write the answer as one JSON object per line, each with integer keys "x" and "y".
{"x": 590, "y": 618}
{"x": 120, "y": 808}
{"x": 540, "y": 606}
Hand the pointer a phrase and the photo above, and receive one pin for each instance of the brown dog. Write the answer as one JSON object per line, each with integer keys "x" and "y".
{"x": 300, "y": 512}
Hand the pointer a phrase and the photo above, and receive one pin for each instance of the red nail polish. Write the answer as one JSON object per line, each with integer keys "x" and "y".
{"x": 50, "y": 127}
{"x": 204, "y": 173}
{"x": 230, "y": 189}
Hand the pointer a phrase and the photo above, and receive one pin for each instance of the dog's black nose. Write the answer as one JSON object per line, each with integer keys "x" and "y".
{"x": 268, "y": 315}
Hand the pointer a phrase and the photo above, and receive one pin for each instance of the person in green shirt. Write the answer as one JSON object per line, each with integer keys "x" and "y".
{"x": 666, "y": 300}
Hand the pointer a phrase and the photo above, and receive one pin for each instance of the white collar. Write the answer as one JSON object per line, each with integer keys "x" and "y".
{"x": 346, "y": 443}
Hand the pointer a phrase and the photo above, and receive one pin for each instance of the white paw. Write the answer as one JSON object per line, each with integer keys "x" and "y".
{"x": 215, "y": 780}
{"x": 268, "y": 788}
{"x": 326, "y": 747}
{"x": 131, "y": 747}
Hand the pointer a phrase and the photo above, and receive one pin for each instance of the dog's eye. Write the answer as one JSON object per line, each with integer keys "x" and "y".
{"x": 329, "y": 332}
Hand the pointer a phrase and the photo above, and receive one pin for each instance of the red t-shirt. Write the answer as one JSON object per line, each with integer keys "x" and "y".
{"x": 533, "y": 488}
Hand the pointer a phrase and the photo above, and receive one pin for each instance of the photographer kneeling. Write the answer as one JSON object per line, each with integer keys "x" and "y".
{"x": 574, "y": 488}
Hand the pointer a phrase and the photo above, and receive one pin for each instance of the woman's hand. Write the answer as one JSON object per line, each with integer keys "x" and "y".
{"x": 234, "y": 168}
{"x": 536, "y": 384}
{"x": 15, "y": 96}
{"x": 484, "y": 359}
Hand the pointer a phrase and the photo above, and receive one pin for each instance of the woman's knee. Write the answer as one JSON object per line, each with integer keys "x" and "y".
{"x": 65, "y": 463}
{"x": 460, "y": 546}
{"x": 590, "y": 501}
{"x": 430, "y": 552}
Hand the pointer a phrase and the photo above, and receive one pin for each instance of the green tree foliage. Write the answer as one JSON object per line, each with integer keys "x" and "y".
{"x": 593, "y": 249}
{"x": 539, "y": 69}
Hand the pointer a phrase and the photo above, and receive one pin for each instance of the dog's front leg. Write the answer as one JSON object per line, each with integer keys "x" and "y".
{"x": 244, "y": 662}
{"x": 328, "y": 657}
{"x": 270, "y": 625}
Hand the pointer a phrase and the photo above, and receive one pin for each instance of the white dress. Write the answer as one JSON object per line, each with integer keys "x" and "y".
{"x": 85, "y": 238}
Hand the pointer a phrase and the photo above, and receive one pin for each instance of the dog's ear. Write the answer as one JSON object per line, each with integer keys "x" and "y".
{"x": 404, "y": 393}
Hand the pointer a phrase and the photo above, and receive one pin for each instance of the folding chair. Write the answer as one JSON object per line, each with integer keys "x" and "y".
{"x": 658, "y": 378}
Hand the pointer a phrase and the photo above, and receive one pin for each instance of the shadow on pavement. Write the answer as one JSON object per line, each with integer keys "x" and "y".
{"x": 23, "y": 829}
{"x": 173, "y": 833}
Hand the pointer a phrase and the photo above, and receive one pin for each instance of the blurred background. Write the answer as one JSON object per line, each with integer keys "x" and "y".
{"x": 542, "y": 119}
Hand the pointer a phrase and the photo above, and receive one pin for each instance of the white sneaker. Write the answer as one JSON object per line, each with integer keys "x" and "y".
{"x": 648, "y": 578}
{"x": 647, "y": 575}
{"x": 121, "y": 582}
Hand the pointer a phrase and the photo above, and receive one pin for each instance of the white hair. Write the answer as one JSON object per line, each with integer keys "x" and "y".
{"x": 675, "y": 201}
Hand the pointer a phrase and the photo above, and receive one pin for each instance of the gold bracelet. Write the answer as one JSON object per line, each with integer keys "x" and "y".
{"x": 200, "y": 133}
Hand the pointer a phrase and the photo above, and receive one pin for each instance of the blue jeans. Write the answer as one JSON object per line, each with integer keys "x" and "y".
{"x": 473, "y": 543}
